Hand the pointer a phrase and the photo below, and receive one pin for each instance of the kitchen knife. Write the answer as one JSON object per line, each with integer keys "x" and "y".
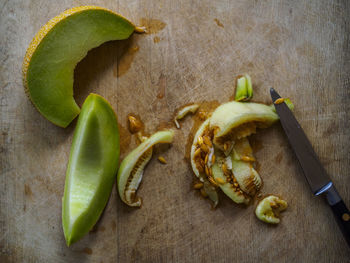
{"x": 315, "y": 174}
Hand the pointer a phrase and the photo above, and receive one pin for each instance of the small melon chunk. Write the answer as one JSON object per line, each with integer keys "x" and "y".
{"x": 269, "y": 208}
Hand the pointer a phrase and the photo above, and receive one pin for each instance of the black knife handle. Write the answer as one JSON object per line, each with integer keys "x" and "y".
{"x": 342, "y": 215}
{"x": 340, "y": 211}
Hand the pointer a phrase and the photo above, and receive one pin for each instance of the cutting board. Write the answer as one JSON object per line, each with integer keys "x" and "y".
{"x": 192, "y": 53}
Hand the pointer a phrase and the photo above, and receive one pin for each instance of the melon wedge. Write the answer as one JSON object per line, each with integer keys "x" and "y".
{"x": 48, "y": 66}
{"x": 92, "y": 167}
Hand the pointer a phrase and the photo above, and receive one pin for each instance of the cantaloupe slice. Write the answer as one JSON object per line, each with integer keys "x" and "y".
{"x": 48, "y": 66}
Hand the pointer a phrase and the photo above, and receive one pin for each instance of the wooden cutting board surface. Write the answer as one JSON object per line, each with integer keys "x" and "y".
{"x": 192, "y": 54}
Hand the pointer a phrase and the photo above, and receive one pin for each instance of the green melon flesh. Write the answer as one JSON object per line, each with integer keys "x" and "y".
{"x": 92, "y": 167}
{"x": 229, "y": 116}
{"x": 131, "y": 170}
{"x": 227, "y": 188}
{"x": 51, "y": 69}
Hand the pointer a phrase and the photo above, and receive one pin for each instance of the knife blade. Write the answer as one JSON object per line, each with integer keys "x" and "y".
{"x": 314, "y": 172}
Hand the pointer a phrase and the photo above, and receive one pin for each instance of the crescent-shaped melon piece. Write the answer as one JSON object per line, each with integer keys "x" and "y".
{"x": 48, "y": 66}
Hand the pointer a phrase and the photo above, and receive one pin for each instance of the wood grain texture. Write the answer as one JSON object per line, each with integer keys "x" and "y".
{"x": 299, "y": 47}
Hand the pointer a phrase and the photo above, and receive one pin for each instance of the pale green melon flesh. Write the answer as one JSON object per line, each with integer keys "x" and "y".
{"x": 244, "y": 88}
{"x": 51, "y": 69}
{"x": 233, "y": 114}
{"x": 92, "y": 168}
{"x": 246, "y": 176}
{"x": 130, "y": 161}
{"x": 265, "y": 212}
{"x": 226, "y": 187}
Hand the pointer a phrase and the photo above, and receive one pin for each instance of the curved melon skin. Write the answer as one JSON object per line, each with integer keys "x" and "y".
{"x": 48, "y": 67}
{"x": 92, "y": 168}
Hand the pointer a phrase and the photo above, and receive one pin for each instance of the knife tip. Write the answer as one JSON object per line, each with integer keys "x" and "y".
{"x": 274, "y": 94}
